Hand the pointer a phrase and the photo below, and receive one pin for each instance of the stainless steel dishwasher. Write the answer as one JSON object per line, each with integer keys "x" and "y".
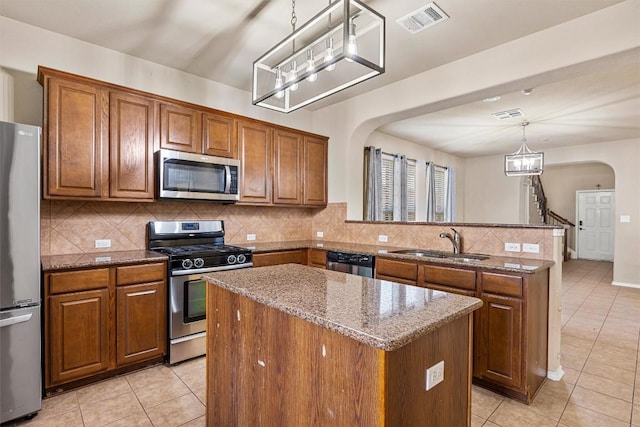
{"x": 352, "y": 263}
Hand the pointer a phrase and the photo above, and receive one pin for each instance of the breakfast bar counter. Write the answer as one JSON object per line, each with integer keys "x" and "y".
{"x": 299, "y": 345}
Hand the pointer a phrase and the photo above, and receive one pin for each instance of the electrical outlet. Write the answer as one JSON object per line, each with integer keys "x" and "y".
{"x": 106, "y": 243}
{"x": 625, "y": 218}
{"x": 383, "y": 238}
{"x": 435, "y": 375}
{"x": 532, "y": 248}
{"x": 319, "y": 234}
{"x": 251, "y": 237}
{"x": 512, "y": 247}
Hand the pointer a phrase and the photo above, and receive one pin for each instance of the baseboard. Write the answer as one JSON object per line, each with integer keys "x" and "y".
{"x": 626, "y": 285}
{"x": 556, "y": 375}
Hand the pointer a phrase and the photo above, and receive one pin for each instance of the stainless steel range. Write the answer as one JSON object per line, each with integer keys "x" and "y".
{"x": 194, "y": 248}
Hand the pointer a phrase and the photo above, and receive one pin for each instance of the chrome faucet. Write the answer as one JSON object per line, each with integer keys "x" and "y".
{"x": 456, "y": 240}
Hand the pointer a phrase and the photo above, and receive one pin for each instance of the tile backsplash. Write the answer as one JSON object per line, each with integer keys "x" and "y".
{"x": 71, "y": 227}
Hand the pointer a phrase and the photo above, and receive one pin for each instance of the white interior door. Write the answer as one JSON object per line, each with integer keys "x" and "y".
{"x": 595, "y": 224}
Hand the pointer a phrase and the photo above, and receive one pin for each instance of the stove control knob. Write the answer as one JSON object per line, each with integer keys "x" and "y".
{"x": 198, "y": 262}
{"x": 242, "y": 259}
{"x": 187, "y": 264}
{"x": 231, "y": 259}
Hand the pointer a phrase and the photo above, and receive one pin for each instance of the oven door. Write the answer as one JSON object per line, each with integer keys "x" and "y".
{"x": 187, "y": 305}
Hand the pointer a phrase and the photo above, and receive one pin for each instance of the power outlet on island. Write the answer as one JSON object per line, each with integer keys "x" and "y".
{"x": 512, "y": 247}
{"x": 383, "y": 238}
{"x": 319, "y": 234}
{"x": 435, "y": 375}
{"x": 532, "y": 248}
{"x": 251, "y": 237}
{"x": 105, "y": 243}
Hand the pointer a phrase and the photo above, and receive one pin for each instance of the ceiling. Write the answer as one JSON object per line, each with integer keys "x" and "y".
{"x": 220, "y": 39}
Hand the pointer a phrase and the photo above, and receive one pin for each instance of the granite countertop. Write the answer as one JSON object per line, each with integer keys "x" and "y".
{"x": 382, "y": 314}
{"x": 510, "y": 264}
{"x": 98, "y": 259}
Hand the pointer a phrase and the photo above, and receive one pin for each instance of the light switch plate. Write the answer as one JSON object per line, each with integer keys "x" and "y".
{"x": 251, "y": 237}
{"x": 383, "y": 238}
{"x": 625, "y": 218}
{"x": 532, "y": 248}
{"x": 512, "y": 247}
{"x": 105, "y": 243}
{"x": 435, "y": 375}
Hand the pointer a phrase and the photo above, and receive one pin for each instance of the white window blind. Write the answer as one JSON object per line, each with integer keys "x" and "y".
{"x": 440, "y": 178}
{"x": 411, "y": 190}
{"x": 388, "y": 185}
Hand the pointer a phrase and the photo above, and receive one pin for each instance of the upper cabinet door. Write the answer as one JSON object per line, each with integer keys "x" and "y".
{"x": 180, "y": 128}
{"x": 218, "y": 136}
{"x": 315, "y": 171}
{"x": 131, "y": 146}
{"x": 76, "y": 144}
{"x": 288, "y": 164}
{"x": 254, "y": 150}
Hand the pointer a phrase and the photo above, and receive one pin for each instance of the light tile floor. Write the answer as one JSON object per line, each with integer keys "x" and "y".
{"x": 600, "y": 356}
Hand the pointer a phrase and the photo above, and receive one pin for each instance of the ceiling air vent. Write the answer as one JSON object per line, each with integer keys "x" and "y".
{"x": 422, "y": 18}
{"x": 508, "y": 114}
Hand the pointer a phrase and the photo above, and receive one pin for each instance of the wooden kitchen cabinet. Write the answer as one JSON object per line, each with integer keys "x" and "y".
{"x": 296, "y": 256}
{"x": 102, "y": 320}
{"x": 315, "y": 171}
{"x": 76, "y": 325}
{"x": 131, "y": 136}
{"x": 397, "y": 271}
{"x": 288, "y": 154}
{"x": 180, "y": 128}
{"x": 76, "y": 139}
{"x": 255, "y": 142}
{"x": 98, "y": 140}
{"x": 513, "y": 333}
{"x": 448, "y": 279}
{"x": 317, "y": 258}
{"x": 219, "y": 136}
{"x": 140, "y": 300}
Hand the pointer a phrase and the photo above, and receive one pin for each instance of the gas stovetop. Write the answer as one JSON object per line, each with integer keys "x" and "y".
{"x": 195, "y": 245}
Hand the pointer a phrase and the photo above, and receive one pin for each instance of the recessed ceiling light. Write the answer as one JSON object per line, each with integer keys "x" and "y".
{"x": 492, "y": 99}
{"x": 527, "y": 91}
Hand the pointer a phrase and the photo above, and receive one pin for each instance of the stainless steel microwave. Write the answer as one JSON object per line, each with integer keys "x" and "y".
{"x": 197, "y": 176}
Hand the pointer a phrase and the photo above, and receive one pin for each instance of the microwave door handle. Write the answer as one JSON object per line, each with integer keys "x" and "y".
{"x": 227, "y": 181}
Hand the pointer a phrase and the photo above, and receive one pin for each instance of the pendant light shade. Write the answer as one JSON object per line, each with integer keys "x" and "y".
{"x": 341, "y": 46}
{"x": 524, "y": 161}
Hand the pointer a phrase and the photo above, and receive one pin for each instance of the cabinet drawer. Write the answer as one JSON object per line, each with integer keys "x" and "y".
{"x": 450, "y": 289}
{"x": 142, "y": 273}
{"x": 283, "y": 257}
{"x": 455, "y": 277}
{"x": 73, "y": 281}
{"x": 503, "y": 284}
{"x": 400, "y": 269}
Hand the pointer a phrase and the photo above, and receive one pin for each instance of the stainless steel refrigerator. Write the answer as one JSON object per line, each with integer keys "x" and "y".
{"x": 20, "y": 299}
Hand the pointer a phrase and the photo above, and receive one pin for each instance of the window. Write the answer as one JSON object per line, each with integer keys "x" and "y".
{"x": 440, "y": 178}
{"x": 389, "y": 186}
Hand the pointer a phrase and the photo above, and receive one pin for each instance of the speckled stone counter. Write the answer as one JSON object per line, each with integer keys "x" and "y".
{"x": 514, "y": 265}
{"x": 100, "y": 259}
{"x": 381, "y": 314}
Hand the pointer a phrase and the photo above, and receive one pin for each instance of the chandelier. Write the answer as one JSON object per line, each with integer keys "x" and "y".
{"x": 524, "y": 161}
{"x": 341, "y": 46}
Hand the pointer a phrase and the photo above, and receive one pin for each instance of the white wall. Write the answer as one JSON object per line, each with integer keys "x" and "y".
{"x": 6, "y": 101}
{"x": 24, "y": 47}
{"x": 422, "y": 154}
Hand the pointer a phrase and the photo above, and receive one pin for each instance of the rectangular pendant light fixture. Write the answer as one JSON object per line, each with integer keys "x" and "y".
{"x": 524, "y": 161}
{"x": 341, "y": 46}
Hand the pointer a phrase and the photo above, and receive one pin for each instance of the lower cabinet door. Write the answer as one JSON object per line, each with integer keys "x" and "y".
{"x": 141, "y": 324}
{"x": 501, "y": 359}
{"x": 78, "y": 334}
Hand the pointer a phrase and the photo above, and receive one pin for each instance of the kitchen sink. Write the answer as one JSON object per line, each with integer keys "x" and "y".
{"x": 420, "y": 252}
{"x": 437, "y": 254}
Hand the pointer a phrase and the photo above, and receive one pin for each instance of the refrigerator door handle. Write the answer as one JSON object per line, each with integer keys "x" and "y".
{"x": 14, "y": 320}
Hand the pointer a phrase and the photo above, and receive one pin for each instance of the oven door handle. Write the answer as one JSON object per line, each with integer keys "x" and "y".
{"x": 211, "y": 269}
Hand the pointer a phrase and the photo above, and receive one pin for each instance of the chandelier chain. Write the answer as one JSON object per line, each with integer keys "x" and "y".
{"x": 294, "y": 18}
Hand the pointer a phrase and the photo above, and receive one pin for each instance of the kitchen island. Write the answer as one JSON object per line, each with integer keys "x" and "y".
{"x": 296, "y": 345}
